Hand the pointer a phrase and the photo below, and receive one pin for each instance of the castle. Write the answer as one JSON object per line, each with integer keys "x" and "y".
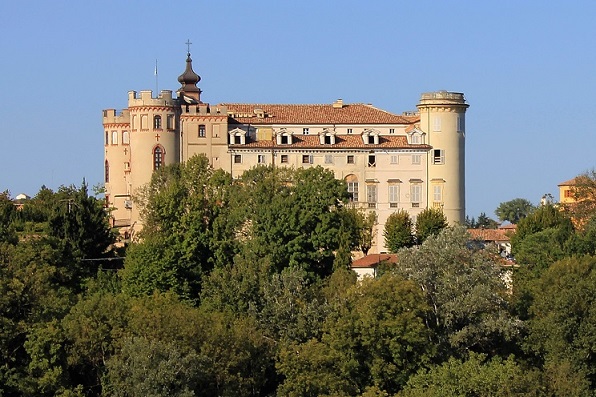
{"x": 410, "y": 161}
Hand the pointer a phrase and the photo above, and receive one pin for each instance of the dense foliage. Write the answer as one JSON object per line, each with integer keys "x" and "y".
{"x": 242, "y": 288}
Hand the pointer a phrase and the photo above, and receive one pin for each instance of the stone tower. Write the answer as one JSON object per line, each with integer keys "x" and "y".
{"x": 442, "y": 117}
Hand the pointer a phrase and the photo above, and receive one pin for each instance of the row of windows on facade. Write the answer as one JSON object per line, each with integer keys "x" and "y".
{"x": 438, "y": 158}
{"x": 415, "y": 197}
{"x": 157, "y": 122}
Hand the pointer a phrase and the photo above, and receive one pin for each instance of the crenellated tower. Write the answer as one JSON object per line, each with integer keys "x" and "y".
{"x": 442, "y": 117}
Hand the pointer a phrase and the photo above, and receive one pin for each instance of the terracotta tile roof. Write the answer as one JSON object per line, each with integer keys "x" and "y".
{"x": 341, "y": 142}
{"x": 489, "y": 234}
{"x": 314, "y": 114}
{"x": 373, "y": 260}
{"x": 570, "y": 182}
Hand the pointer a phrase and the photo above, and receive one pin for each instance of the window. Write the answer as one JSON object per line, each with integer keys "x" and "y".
{"x": 114, "y": 137}
{"x": 107, "y": 171}
{"x": 158, "y": 155}
{"x": 261, "y": 159}
{"x": 436, "y": 124}
{"x": 393, "y": 195}
{"x": 415, "y": 139}
{"x": 372, "y": 161}
{"x": 170, "y": 122}
{"x": 392, "y": 130}
{"x": 284, "y": 140}
{"x": 437, "y": 193}
{"x": 350, "y": 159}
{"x": 125, "y": 138}
{"x": 371, "y": 196}
{"x": 350, "y": 131}
{"x": 353, "y": 190}
{"x": 127, "y": 165}
{"x": 415, "y": 193}
{"x": 307, "y": 159}
{"x": 237, "y": 140}
{"x": 305, "y": 131}
{"x": 327, "y": 139}
{"x": 415, "y": 159}
{"x": 107, "y": 138}
{"x": 201, "y": 131}
{"x": 438, "y": 156}
{"x": 394, "y": 159}
{"x": 135, "y": 125}
{"x": 568, "y": 193}
{"x": 461, "y": 123}
{"x": 328, "y": 159}
{"x": 237, "y": 159}
{"x": 144, "y": 122}
{"x": 284, "y": 158}
{"x": 157, "y": 122}
{"x": 371, "y": 139}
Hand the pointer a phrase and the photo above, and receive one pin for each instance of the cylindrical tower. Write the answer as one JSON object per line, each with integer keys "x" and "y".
{"x": 442, "y": 117}
{"x": 154, "y": 136}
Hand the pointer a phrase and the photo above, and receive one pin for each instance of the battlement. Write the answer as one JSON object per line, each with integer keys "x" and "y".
{"x": 145, "y": 98}
{"x": 110, "y": 116}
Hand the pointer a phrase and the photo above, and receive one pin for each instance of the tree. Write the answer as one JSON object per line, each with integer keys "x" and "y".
{"x": 475, "y": 376}
{"x": 562, "y": 326}
{"x": 151, "y": 368}
{"x": 183, "y": 237}
{"x": 428, "y": 223}
{"x": 376, "y": 337}
{"x": 466, "y": 291}
{"x": 398, "y": 231}
{"x": 514, "y": 210}
{"x": 485, "y": 222}
{"x": 366, "y": 223}
{"x": 291, "y": 217}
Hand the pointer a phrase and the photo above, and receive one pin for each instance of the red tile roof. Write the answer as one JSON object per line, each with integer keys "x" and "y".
{"x": 489, "y": 234}
{"x": 341, "y": 142}
{"x": 570, "y": 182}
{"x": 373, "y": 260}
{"x": 314, "y": 114}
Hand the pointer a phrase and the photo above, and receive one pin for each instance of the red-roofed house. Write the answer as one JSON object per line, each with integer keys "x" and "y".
{"x": 367, "y": 266}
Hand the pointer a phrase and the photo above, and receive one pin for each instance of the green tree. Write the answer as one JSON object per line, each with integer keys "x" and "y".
{"x": 485, "y": 222}
{"x": 7, "y": 214}
{"x": 398, "y": 231}
{"x": 428, "y": 223}
{"x": 291, "y": 217}
{"x": 183, "y": 237}
{"x": 475, "y": 376}
{"x": 151, "y": 368}
{"x": 466, "y": 291}
{"x": 377, "y": 337}
{"x": 562, "y": 326}
{"x": 514, "y": 210}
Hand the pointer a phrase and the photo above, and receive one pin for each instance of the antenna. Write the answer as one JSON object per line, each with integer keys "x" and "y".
{"x": 156, "y": 80}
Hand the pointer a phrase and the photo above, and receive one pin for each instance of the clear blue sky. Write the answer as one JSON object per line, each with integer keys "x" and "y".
{"x": 527, "y": 69}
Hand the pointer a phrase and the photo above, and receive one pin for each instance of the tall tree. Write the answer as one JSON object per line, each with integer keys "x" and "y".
{"x": 182, "y": 237}
{"x": 514, "y": 210}
{"x": 398, "y": 231}
{"x": 429, "y": 223}
{"x": 466, "y": 291}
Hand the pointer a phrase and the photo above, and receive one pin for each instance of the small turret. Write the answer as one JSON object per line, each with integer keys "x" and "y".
{"x": 189, "y": 92}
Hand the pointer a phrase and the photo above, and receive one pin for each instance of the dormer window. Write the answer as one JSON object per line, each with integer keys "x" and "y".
{"x": 327, "y": 137}
{"x": 283, "y": 137}
{"x": 237, "y": 136}
{"x": 370, "y": 137}
{"x": 416, "y": 137}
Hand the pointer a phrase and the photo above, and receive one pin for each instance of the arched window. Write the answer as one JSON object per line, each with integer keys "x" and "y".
{"x": 157, "y": 122}
{"x": 158, "y": 157}
{"x": 125, "y": 138}
{"x": 107, "y": 171}
{"x": 114, "y": 137}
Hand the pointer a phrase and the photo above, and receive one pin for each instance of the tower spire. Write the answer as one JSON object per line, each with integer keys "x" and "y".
{"x": 189, "y": 79}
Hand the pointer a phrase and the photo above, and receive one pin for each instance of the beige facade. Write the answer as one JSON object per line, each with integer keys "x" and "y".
{"x": 410, "y": 161}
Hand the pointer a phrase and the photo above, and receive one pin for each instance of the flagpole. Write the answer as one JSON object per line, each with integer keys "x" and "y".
{"x": 156, "y": 81}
